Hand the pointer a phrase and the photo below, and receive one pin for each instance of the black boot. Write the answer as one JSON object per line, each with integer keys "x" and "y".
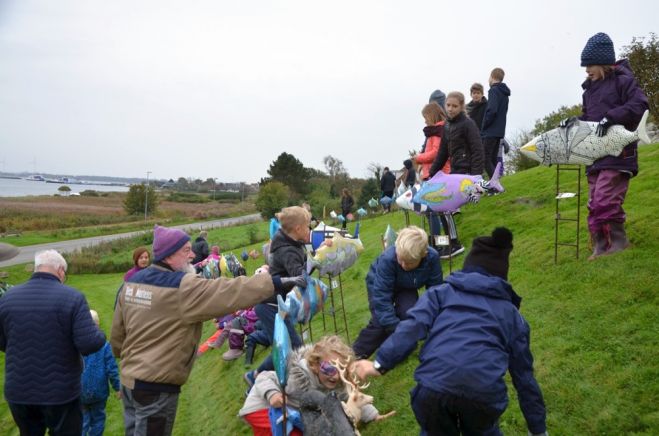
{"x": 619, "y": 239}
{"x": 249, "y": 353}
{"x": 600, "y": 243}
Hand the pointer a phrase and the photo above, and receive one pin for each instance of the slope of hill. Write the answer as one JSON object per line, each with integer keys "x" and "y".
{"x": 595, "y": 335}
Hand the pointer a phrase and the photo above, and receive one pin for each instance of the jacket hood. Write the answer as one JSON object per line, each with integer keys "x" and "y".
{"x": 281, "y": 239}
{"x": 502, "y": 87}
{"x": 476, "y": 280}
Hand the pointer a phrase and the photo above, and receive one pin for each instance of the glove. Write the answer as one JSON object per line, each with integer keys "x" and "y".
{"x": 602, "y": 127}
{"x": 289, "y": 283}
{"x": 567, "y": 121}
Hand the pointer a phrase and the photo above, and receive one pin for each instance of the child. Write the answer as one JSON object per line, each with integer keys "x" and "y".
{"x": 310, "y": 369}
{"x": 393, "y": 282}
{"x": 473, "y": 333}
{"x": 435, "y": 119}
{"x": 611, "y": 96}
{"x": 99, "y": 368}
{"x": 346, "y": 206}
{"x": 461, "y": 143}
{"x": 493, "y": 128}
{"x": 287, "y": 258}
{"x": 476, "y": 107}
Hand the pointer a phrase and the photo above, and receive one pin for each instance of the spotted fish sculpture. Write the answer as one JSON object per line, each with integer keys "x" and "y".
{"x": 448, "y": 192}
{"x": 302, "y": 304}
{"x": 577, "y": 143}
{"x": 336, "y": 256}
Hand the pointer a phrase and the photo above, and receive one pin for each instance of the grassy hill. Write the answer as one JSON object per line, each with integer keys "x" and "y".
{"x": 595, "y": 335}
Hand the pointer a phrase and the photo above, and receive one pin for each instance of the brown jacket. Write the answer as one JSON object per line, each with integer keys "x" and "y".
{"x": 158, "y": 319}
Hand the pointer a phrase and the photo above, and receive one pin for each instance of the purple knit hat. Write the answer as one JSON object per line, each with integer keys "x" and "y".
{"x": 167, "y": 241}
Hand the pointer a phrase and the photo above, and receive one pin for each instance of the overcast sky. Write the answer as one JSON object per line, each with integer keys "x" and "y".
{"x": 218, "y": 88}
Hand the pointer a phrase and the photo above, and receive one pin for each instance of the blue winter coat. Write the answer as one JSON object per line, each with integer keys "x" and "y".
{"x": 473, "y": 333}
{"x": 45, "y": 327}
{"x": 494, "y": 120}
{"x": 100, "y": 367}
{"x": 618, "y": 98}
{"x": 386, "y": 277}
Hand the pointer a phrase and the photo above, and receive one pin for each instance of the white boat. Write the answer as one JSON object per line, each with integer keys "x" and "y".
{"x": 36, "y": 178}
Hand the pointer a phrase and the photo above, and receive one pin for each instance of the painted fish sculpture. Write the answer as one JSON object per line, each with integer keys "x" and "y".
{"x": 577, "y": 143}
{"x": 372, "y": 202}
{"x": 385, "y": 201}
{"x": 334, "y": 258}
{"x": 448, "y": 192}
{"x": 211, "y": 270}
{"x": 302, "y": 304}
{"x": 361, "y": 212}
{"x": 389, "y": 237}
{"x": 281, "y": 350}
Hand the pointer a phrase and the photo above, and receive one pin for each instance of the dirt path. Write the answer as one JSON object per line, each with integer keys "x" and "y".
{"x": 27, "y": 253}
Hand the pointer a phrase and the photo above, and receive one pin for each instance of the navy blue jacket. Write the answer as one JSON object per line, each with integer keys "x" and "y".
{"x": 618, "y": 98}
{"x": 494, "y": 120}
{"x": 473, "y": 334}
{"x": 386, "y": 277}
{"x": 45, "y": 327}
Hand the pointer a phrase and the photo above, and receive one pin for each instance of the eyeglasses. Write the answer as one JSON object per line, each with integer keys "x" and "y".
{"x": 328, "y": 369}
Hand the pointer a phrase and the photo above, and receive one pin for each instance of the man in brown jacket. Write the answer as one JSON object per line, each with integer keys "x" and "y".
{"x": 157, "y": 326}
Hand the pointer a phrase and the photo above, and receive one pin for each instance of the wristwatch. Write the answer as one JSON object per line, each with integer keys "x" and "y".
{"x": 378, "y": 367}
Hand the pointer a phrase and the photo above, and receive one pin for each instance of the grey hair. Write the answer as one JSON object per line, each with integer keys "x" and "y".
{"x": 49, "y": 258}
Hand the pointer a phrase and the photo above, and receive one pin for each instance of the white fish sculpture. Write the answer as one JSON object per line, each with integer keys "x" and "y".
{"x": 337, "y": 256}
{"x": 578, "y": 144}
{"x": 389, "y": 237}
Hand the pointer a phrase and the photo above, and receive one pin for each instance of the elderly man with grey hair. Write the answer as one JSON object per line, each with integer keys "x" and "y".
{"x": 45, "y": 327}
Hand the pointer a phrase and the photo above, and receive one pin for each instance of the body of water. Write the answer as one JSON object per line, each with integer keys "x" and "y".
{"x": 21, "y": 188}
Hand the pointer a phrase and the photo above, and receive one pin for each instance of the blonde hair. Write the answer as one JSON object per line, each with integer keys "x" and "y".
{"x": 412, "y": 244}
{"x": 433, "y": 113}
{"x": 476, "y": 87}
{"x": 329, "y": 345}
{"x": 497, "y": 74}
{"x": 95, "y": 316}
{"x": 293, "y": 216}
{"x": 460, "y": 97}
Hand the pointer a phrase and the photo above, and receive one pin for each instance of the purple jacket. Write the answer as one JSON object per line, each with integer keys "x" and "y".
{"x": 618, "y": 98}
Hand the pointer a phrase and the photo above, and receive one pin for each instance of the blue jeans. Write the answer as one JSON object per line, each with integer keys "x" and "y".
{"x": 266, "y": 314}
{"x": 93, "y": 418}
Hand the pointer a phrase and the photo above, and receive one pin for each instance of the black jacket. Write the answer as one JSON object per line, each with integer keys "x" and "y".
{"x": 200, "y": 249}
{"x": 346, "y": 204}
{"x": 476, "y": 111}
{"x": 388, "y": 181}
{"x": 287, "y": 258}
{"x": 461, "y": 142}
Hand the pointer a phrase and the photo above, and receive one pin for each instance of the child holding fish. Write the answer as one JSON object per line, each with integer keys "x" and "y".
{"x": 611, "y": 96}
{"x": 287, "y": 258}
{"x": 311, "y": 368}
{"x": 461, "y": 144}
{"x": 393, "y": 282}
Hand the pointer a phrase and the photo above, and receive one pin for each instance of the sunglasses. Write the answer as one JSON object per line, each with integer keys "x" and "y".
{"x": 328, "y": 369}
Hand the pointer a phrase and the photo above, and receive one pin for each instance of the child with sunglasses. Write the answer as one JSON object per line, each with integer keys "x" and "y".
{"x": 310, "y": 368}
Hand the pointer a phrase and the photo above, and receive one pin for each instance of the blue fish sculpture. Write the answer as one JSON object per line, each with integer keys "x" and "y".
{"x": 389, "y": 237}
{"x": 211, "y": 270}
{"x": 302, "y": 304}
{"x": 281, "y": 350}
{"x": 244, "y": 256}
{"x": 372, "y": 202}
{"x": 361, "y": 212}
{"x": 386, "y": 200}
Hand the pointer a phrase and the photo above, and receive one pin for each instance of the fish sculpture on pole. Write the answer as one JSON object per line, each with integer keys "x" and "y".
{"x": 389, "y": 237}
{"x": 302, "y": 304}
{"x": 448, "y": 192}
{"x": 578, "y": 144}
{"x": 335, "y": 256}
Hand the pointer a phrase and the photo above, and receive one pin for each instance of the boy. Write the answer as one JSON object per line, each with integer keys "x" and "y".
{"x": 493, "y": 128}
{"x": 473, "y": 333}
{"x": 287, "y": 258}
{"x": 393, "y": 282}
{"x": 476, "y": 107}
{"x": 100, "y": 367}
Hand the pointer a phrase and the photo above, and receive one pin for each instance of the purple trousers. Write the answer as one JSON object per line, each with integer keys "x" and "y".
{"x": 606, "y": 194}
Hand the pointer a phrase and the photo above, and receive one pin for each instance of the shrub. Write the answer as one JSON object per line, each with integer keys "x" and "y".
{"x": 273, "y": 196}
{"x": 135, "y": 199}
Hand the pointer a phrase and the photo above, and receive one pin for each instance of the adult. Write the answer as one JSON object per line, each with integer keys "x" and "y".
{"x": 346, "y": 206}
{"x": 44, "y": 328}
{"x": 200, "y": 247}
{"x": 387, "y": 186}
{"x": 141, "y": 259}
{"x": 157, "y": 326}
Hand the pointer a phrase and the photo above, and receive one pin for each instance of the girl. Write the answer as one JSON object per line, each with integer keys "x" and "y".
{"x": 611, "y": 96}
{"x": 346, "y": 205}
{"x": 435, "y": 118}
{"x": 141, "y": 260}
{"x": 309, "y": 368}
{"x": 461, "y": 143}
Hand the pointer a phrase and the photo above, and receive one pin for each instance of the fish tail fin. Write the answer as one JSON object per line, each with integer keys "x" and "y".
{"x": 494, "y": 185}
{"x": 283, "y": 308}
{"x": 642, "y": 131}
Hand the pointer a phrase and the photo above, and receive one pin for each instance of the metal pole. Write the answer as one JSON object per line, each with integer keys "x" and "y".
{"x": 146, "y": 195}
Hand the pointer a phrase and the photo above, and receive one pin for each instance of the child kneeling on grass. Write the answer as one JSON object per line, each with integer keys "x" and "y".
{"x": 473, "y": 333}
{"x": 310, "y": 369}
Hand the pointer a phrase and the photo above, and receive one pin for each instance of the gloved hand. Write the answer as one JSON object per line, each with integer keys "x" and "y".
{"x": 602, "y": 127}
{"x": 289, "y": 283}
{"x": 567, "y": 121}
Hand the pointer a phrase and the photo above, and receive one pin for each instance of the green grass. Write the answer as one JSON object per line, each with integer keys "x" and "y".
{"x": 595, "y": 336}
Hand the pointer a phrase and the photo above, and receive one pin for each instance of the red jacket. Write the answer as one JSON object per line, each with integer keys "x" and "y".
{"x": 426, "y": 158}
